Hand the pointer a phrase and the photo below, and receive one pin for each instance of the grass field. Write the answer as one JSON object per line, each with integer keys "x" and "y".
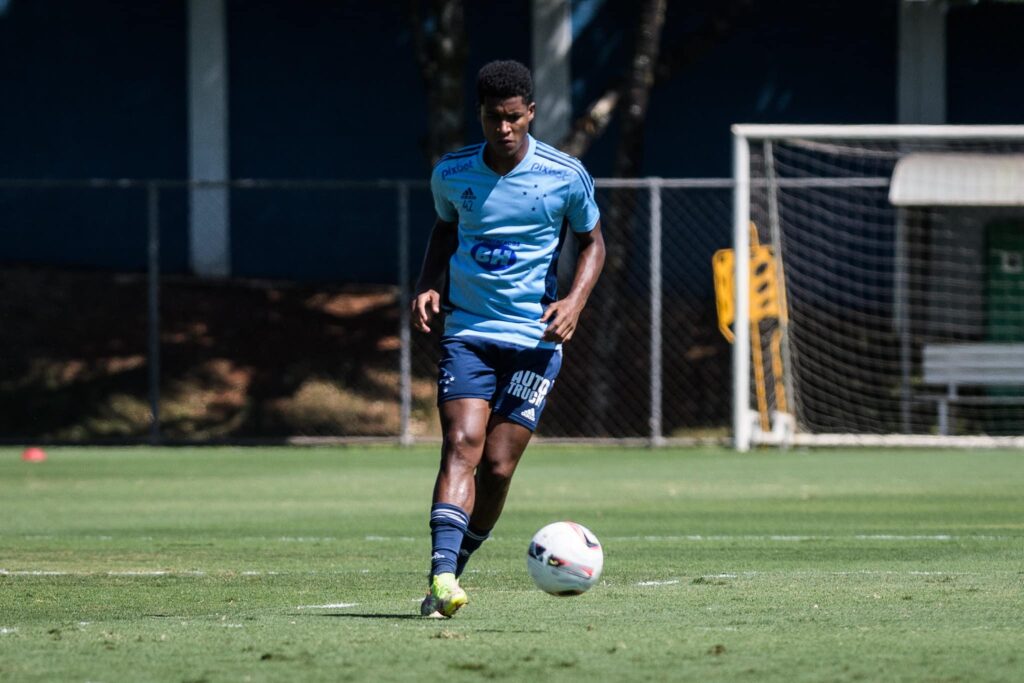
{"x": 308, "y": 564}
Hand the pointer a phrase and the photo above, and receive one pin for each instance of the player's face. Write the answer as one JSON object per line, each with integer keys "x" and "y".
{"x": 505, "y": 124}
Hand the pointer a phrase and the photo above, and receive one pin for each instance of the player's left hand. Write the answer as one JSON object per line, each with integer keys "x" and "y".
{"x": 562, "y": 317}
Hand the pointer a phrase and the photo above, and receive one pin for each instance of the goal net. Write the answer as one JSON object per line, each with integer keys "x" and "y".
{"x": 897, "y": 253}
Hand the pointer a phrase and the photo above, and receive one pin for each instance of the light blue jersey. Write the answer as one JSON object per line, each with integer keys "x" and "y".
{"x": 503, "y": 273}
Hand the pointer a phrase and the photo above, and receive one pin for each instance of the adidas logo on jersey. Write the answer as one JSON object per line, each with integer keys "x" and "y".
{"x": 529, "y": 414}
{"x": 468, "y": 198}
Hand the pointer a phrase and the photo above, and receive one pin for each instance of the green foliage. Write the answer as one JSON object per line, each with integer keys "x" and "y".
{"x": 224, "y": 564}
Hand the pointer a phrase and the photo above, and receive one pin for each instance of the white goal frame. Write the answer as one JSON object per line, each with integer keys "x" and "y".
{"x": 745, "y": 434}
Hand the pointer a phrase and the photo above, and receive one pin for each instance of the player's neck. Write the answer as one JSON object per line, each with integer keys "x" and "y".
{"x": 504, "y": 165}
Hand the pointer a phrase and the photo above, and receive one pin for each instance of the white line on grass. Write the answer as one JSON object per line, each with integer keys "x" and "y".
{"x": 335, "y": 605}
{"x": 790, "y": 539}
{"x": 859, "y": 572}
{"x": 672, "y": 582}
{"x": 886, "y": 572}
{"x": 279, "y": 539}
{"x": 228, "y": 573}
{"x": 716, "y": 628}
{"x": 156, "y": 572}
{"x": 7, "y": 631}
{"x": 77, "y": 537}
{"x": 666, "y": 538}
{"x": 131, "y": 573}
{"x": 855, "y": 572}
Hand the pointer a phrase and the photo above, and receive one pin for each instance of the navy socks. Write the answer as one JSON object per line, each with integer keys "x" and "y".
{"x": 471, "y": 541}
{"x": 448, "y": 524}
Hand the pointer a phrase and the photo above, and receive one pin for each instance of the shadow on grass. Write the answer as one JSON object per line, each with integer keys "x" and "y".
{"x": 421, "y": 618}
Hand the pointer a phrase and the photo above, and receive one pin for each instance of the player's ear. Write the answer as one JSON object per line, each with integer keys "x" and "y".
{"x": 531, "y": 110}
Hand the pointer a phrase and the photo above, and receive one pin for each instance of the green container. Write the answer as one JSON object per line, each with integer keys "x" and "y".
{"x": 1005, "y": 281}
{"x": 1004, "y": 320}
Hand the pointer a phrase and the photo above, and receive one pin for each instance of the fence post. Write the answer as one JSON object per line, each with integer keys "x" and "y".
{"x": 741, "y": 425}
{"x": 153, "y": 306}
{"x": 657, "y": 435}
{"x": 404, "y": 334}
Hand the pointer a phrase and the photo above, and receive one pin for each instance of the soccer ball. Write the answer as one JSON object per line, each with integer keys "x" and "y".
{"x": 564, "y": 558}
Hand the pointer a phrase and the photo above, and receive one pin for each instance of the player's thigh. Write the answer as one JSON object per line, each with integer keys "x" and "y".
{"x": 464, "y": 427}
{"x": 506, "y": 443}
{"x": 466, "y": 384}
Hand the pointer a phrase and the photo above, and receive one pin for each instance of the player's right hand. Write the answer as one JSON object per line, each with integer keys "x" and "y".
{"x": 425, "y": 306}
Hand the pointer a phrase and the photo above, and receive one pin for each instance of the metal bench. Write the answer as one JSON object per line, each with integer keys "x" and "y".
{"x": 972, "y": 365}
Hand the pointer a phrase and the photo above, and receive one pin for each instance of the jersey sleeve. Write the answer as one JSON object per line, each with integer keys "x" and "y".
{"x": 442, "y": 205}
{"x": 581, "y": 209}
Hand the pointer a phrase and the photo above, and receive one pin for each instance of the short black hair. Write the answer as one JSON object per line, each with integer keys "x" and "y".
{"x": 504, "y": 79}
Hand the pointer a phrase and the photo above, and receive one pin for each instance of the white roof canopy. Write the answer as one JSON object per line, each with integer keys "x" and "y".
{"x": 951, "y": 179}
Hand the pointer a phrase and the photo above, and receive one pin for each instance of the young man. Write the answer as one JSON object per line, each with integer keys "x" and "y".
{"x": 503, "y": 208}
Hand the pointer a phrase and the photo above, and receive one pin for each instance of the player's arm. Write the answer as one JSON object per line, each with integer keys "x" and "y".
{"x": 563, "y": 315}
{"x": 426, "y": 302}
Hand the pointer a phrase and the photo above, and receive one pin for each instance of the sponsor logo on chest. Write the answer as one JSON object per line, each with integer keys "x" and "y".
{"x": 493, "y": 255}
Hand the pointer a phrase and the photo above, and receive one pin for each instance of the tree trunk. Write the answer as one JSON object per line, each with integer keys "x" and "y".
{"x": 725, "y": 20}
{"x": 616, "y": 367}
{"x": 440, "y": 41}
{"x": 629, "y": 159}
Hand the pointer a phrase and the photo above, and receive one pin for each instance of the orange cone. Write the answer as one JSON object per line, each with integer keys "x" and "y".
{"x": 33, "y": 454}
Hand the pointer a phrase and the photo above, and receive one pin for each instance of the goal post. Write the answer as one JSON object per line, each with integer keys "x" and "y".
{"x": 900, "y": 251}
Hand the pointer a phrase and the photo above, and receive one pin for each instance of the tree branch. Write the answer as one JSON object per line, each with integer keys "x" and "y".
{"x": 727, "y": 19}
{"x": 591, "y": 125}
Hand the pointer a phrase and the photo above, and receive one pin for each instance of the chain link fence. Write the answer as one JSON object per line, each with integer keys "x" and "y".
{"x": 105, "y": 336}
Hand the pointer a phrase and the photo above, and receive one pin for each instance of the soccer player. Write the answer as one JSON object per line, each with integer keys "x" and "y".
{"x": 503, "y": 208}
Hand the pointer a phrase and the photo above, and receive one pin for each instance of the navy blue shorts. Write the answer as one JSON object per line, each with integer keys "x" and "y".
{"x": 516, "y": 380}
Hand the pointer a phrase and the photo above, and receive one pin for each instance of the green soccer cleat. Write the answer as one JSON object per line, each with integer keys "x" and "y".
{"x": 428, "y": 608}
{"x": 445, "y": 597}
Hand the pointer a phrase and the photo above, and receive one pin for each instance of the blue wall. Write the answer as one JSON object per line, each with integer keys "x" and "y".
{"x": 985, "y": 64}
{"x": 89, "y": 90}
{"x": 332, "y": 90}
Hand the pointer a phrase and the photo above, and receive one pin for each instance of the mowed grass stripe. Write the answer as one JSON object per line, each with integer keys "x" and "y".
{"x": 306, "y": 564}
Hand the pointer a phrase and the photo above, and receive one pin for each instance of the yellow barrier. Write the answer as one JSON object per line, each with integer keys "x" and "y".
{"x": 767, "y": 302}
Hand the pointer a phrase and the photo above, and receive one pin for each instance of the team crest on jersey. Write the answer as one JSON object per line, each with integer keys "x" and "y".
{"x": 468, "y": 198}
{"x": 494, "y": 255}
{"x": 444, "y": 380}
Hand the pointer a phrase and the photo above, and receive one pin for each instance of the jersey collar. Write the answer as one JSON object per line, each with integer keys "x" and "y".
{"x": 521, "y": 166}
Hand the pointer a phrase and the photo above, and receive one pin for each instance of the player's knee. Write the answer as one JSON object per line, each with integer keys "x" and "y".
{"x": 463, "y": 444}
{"x": 500, "y": 472}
